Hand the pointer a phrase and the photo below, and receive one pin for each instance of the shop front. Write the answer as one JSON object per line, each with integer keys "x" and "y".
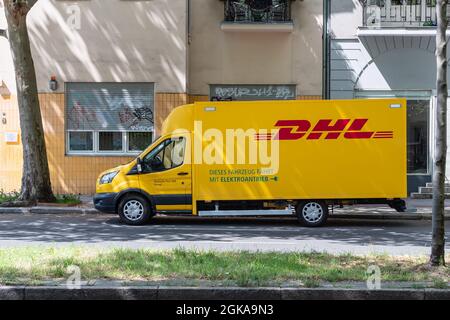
{"x": 419, "y": 127}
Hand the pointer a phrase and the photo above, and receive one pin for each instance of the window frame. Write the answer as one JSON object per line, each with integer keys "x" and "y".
{"x": 430, "y": 135}
{"x": 96, "y": 144}
{"x": 78, "y": 152}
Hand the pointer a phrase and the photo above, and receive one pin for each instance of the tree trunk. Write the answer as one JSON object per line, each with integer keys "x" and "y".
{"x": 36, "y": 184}
{"x": 438, "y": 237}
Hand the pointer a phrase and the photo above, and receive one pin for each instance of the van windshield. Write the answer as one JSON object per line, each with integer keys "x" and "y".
{"x": 141, "y": 155}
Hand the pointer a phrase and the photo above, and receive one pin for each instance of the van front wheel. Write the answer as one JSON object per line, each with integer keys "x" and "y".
{"x": 134, "y": 210}
{"x": 312, "y": 213}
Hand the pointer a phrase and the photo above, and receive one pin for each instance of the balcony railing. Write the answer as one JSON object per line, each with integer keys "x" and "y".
{"x": 400, "y": 13}
{"x": 257, "y": 11}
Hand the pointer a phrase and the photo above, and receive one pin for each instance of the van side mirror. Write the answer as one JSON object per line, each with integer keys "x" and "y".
{"x": 139, "y": 165}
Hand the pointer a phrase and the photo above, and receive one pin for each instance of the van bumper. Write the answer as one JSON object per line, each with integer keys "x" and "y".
{"x": 105, "y": 202}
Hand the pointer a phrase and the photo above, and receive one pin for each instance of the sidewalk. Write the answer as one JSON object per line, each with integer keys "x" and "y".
{"x": 417, "y": 210}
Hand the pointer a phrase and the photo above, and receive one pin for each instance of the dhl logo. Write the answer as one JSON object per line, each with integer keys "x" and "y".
{"x": 324, "y": 129}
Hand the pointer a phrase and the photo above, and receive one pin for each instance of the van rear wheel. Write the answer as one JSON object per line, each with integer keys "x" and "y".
{"x": 312, "y": 213}
{"x": 134, "y": 210}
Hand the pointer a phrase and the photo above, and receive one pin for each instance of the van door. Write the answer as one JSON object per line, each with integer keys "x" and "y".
{"x": 166, "y": 176}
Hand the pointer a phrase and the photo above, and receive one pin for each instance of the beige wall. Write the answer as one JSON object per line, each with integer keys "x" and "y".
{"x": 219, "y": 57}
{"x": 346, "y": 17}
{"x": 7, "y": 76}
{"x": 134, "y": 41}
{"x": 147, "y": 41}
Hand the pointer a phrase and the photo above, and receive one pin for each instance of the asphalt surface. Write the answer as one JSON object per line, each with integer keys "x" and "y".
{"x": 339, "y": 236}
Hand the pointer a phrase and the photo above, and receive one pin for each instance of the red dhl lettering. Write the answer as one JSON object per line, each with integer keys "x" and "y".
{"x": 326, "y": 129}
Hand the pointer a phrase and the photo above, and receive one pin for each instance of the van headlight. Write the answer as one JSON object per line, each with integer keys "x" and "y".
{"x": 108, "y": 178}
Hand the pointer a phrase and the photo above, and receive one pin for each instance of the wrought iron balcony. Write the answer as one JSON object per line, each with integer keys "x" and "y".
{"x": 257, "y": 11}
{"x": 399, "y": 13}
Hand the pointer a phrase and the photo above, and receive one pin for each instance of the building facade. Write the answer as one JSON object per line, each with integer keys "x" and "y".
{"x": 386, "y": 48}
{"x": 109, "y": 72}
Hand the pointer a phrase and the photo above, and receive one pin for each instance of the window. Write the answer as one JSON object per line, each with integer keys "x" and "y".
{"x": 167, "y": 155}
{"x": 110, "y": 141}
{"x": 109, "y": 118}
{"x": 138, "y": 141}
{"x": 81, "y": 141}
{"x": 418, "y": 136}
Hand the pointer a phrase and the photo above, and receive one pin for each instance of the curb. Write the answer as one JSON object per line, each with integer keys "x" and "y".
{"x": 49, "y": 210}
{"x": 191, "y": 293}
{"x": 69, "y": 210}
{"x": 394, "y": 216}
{"x": 87, "y": 211}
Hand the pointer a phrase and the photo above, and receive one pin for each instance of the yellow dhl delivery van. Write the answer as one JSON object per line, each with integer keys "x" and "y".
{"x": 270, "y": 158}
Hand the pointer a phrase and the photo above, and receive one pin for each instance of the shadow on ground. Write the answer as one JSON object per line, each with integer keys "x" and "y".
{"x": 47, "y": 229}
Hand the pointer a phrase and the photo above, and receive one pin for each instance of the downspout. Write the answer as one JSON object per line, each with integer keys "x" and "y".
{"x": 326, "y": 49}
{"x": 189, "y": 22}
{"x": 188, "y": 45}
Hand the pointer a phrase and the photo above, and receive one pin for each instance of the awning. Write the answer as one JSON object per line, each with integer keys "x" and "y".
{"x": 380, "y": 40}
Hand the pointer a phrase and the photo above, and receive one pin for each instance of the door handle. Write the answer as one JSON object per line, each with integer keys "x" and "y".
{"x": 183, "y": 174}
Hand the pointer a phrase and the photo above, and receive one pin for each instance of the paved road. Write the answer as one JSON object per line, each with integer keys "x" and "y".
{"x": 355, "y": 236}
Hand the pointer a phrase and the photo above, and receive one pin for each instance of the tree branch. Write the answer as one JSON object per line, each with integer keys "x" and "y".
{"x": 3, "y": 33}
{"x": 28, "y": 3}
{"x": 31, "y": 3}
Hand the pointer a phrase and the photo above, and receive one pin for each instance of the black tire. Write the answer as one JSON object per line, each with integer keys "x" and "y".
{"x": 134, "y": 210}
{"x": 312, "y": 213}
{"x": 398, "y": 205}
